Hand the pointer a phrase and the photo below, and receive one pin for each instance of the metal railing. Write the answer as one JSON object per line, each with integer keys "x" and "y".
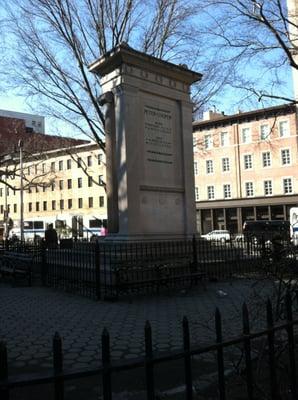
{"x": 108, "y": 368}
{"x": 112, "y": 270}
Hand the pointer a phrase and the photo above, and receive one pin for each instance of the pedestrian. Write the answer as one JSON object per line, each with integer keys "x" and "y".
{"x": 51, "y": 238}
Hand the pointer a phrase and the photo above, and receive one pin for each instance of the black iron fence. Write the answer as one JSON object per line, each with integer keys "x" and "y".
{"x": 276, "y": 359}
{"x": 110, "y": 270}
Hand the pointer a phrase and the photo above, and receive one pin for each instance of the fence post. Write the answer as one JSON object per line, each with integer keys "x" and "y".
{"x": 220, "y": 359}
{"x": 187, "y": 359}
{"x": 247, "y": 352}
{"x": 291, "y": 343}
{"x": 44, "y": 267}
{"x": 194, "y": 254}
{"x": 271, "y": 351}
{"x": 4, "y": 391}
{"x": 97, "y": 270}
{"x": 149, "y": 362}
{"x": 106, "y": 364}
{"x": 58, "y": 366}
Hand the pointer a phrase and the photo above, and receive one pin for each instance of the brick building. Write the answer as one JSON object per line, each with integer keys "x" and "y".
{"x": 246, "y": 167}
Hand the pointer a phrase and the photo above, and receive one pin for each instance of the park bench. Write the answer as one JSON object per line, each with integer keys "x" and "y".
{"x": 16, "y": 264}
{"x": 135, "y": 276}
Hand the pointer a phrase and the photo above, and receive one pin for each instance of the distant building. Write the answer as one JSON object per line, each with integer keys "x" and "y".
{"x": 65, "y": 186}
{"x": 33, "y": 123}
{"x": 246, "y": 167}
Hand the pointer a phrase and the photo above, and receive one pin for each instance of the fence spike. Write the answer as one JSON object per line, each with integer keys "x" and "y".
{"x": 149, "y": 362}
{"x": 247, "y": 351}
{"x": 271, "y": 351}
{"x": 245, "y": 319}
{"x": 4, "y": 391}
{"x": 106, "y": 364}
{"x": 187, "y": 359}
{"x": 291, "y": 345}
{"x": 220, "y": 359}
{"x": 58, "y": 366}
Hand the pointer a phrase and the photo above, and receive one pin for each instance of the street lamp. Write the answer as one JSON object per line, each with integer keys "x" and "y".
{"x": 20, "y": 146}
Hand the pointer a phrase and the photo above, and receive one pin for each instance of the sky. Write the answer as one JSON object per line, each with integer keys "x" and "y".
{"x": 227, "y": 101}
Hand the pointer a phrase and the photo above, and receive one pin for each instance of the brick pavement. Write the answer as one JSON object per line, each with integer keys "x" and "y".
{"x": 30, "y": 316}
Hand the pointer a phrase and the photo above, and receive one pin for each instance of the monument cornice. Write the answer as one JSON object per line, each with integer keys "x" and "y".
{"x": 123, "y": 54}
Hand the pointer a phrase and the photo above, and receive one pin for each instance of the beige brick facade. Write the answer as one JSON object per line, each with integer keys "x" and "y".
{"x": 60, "y": 185}
{"x": 250, "y": 158}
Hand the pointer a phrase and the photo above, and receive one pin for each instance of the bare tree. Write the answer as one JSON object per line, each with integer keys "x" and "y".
{"x": 52, "y": 42}
{"x": 256, "y": 40}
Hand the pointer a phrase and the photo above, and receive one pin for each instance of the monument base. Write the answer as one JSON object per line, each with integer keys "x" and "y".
{"x": 147, "y": 238}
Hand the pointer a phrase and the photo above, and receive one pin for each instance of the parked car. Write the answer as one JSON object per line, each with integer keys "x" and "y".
{"x": 218, "y": 235}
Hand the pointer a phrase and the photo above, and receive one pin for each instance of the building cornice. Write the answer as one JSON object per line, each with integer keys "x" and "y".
{"x": 248, "y": 116}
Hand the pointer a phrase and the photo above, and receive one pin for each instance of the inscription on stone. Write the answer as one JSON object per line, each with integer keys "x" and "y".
{"x": 158, "y": 135}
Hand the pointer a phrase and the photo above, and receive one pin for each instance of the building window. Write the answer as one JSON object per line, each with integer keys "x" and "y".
{"x": 53, "y": 204}
{"x": 61, "y": 185}
{"x": 53, "y": 186}
{"x": 210, "y": 192}
{"x": 285, "y": 157}
{"x": 100, "y": 158}
{"x": 79, "y": 182}
{"x": 90, "y": 202}
{"x": 197, "y": 193}
{"x": 89, "y": 161}
{"x": 68, "y": 164}
{"x": 37, "y": 206}
{"x": 61, "y": 204}
{"x": 14, "y": 208}
{"x": 209, "y": 166}
{"x": 80, "y": 203}
{"x": 1, "y": 192}
{"x": 284, "y": 129}
{"x": 100, "y": 180}
{"x": 101, "y": 201}
{"x": 36, "y": 189}
{"x": 45, "y": 206}
{"x": 267, "y": 188}
{"x": 224, "y": 139}
{"x": 69, "y": 183}
{"x": 43, "y": 168}
{"x": 247, "y": 161}
{"x": 29, "y": 189}
{"x": 225, "y": 164}
{"x": 227, "y": 191}
{"x": 208, "y": 141}
{"x": 264, "y": 132}
{"x": 36, "y": 169}
{"x": 61, "y": 165}
{"x": 29, "y": 207}
{"x": 249, "y": 189}
{"x": 246, "y": 135}
{"x": 69, "y": 203}
{"x": 43, "y": 187}
{"x": 1, "y": 209}
{"x": 266, "y": 157}
{"x": 90, "y": 181}
{"x": 287, "y": 185}
{"x": 196, "y": 168}
{"x": 79, "y": 162}
{"x": 53, "y": 166}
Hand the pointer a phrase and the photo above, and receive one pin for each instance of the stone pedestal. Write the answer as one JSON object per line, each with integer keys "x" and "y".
{"x": 151, "y": 146}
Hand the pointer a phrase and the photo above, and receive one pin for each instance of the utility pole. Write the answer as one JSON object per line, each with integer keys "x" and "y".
{"x": 20, "y": 145}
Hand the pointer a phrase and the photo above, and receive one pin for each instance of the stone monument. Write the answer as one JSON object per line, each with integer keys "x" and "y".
{"x": 149, "y": 145}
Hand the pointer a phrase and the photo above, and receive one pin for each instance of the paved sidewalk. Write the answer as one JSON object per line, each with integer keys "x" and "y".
{"x": 29, "y": 317}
